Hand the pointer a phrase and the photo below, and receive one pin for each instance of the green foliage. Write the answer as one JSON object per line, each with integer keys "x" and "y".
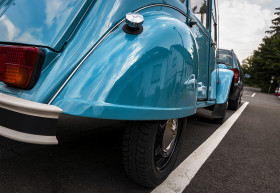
{"x": 265, "y": 61}
{"x": 194, "y": 9}
{"x": 203, "y": 8}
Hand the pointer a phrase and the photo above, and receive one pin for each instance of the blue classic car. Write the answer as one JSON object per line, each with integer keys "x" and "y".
{"x": 139, "y": 61}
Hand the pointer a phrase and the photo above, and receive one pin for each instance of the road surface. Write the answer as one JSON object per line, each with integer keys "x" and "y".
{"x": 246, "y": 160}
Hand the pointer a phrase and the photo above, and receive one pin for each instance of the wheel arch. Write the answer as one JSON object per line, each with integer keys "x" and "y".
{"x": 137, "y": 77}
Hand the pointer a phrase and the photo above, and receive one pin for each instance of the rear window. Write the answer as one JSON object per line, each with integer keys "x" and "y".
{"x": 225, "y": 57}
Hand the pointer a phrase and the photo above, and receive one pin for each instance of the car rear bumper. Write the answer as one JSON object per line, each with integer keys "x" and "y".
{"x": 28, "y": 121}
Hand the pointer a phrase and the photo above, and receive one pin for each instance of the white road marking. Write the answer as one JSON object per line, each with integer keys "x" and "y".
{"x": 253, "y": 94}
{"x": 180, "y": 178}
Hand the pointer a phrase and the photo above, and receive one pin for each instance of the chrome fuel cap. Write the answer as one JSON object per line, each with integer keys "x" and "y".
{"x": 134, "y": 20}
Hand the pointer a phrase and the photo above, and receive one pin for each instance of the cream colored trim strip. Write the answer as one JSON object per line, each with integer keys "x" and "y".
{"x": 27, "y": 138}
{"x": 29, "y": 107}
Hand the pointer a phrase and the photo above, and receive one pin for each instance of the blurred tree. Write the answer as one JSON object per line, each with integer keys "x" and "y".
{"x": 203, "y": 8}
{"x": 276, "y": 23}
{"x": 194, "y": 9}
{"x": 265, "y": 62}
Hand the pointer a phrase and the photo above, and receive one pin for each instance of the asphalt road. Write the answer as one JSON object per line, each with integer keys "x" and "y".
{"x": 247, "y": 159}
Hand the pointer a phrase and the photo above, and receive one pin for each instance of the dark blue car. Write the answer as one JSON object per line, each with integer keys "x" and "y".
{"x": 229, "y": 58}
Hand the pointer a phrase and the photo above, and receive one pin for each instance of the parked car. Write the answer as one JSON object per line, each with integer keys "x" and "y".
{"x": 277, "y": 92}
{"x": 138, "y": 61}
{"x": 229, "y": 58}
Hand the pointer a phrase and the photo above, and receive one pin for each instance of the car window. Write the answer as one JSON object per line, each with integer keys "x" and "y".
{"x": 200, "y": 9}
{"x": 238, "y": 62}
{"x": 225, "y": 57}
{"x": 234, "y": 65}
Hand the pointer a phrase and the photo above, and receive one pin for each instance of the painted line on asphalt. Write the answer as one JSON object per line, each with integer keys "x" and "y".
{"x": 253, "y": 94}
{"x": 180, "y": 178}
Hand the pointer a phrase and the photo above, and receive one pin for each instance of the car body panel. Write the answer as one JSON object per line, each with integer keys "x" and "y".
{"x": 212, "y": 88}
{"x": 60, "y": 65}
{"x": 202, "y": 38}
{"x": 47, "y": 23}
{"x": 90, "y": 31}
{"x": 224, "y": 86}
{"x": 50, "y": 23}
{"x": 147, "y": 76}
{"x": 95, "y": 69}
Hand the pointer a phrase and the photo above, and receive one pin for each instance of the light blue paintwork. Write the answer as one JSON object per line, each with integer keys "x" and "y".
{"x": 223, "y": 88}
{"x": 222, "y": 66}
{"x": 44, "y": 22}
{"x": 100, "y": 19}
{"x": 212, "y": 91}
{"x": 202, "y": 41}
{"x": 137, "y": 77}
{"x": 152, "y": 75}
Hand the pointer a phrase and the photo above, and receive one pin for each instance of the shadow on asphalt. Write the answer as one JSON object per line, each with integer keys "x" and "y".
{"x": 88, "y": 161}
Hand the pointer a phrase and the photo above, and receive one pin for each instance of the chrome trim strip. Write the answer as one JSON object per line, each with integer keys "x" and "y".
{"x": 163, "y": 5}
{"x": 78, "y": 24}
{"x": 27, "y": 138}
{"x": 104, "y": 37}
{"x": 29, "y": 107}
{"x": 83, "y": 60}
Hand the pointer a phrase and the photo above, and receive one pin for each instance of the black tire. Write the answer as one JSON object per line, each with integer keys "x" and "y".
{"x": 140, "y": 152}
{"x": 234, "y": 104}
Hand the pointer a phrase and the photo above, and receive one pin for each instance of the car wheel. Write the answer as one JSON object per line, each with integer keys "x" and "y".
{"x": 234, "y": 104}
{"x": 150, "y": 150}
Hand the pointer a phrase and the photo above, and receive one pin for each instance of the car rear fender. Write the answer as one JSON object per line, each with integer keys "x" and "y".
{"x": 137, "y": 77}
{"x": 223, "y": 88}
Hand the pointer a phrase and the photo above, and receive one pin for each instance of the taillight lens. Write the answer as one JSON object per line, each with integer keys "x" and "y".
{"x": 20, "y": 66}
{"x": 235, "y": 75}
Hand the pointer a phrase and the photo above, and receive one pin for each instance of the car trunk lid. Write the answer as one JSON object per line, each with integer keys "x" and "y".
{"x": 45, "y": 23}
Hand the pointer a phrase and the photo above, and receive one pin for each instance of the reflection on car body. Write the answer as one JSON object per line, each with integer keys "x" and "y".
{"x": 150, "y": 63}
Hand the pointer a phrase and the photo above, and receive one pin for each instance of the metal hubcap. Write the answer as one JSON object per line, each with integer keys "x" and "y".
{"x": 167, "y": 137}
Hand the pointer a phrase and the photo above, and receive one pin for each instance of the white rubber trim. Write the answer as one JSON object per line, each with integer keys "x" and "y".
{"x": 28, "y": 138}
{"x": 29, "y": 107}
{"x": 180, "y": 178}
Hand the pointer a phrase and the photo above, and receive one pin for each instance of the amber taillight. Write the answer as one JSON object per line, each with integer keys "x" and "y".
{"x": 20, "y": 66}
